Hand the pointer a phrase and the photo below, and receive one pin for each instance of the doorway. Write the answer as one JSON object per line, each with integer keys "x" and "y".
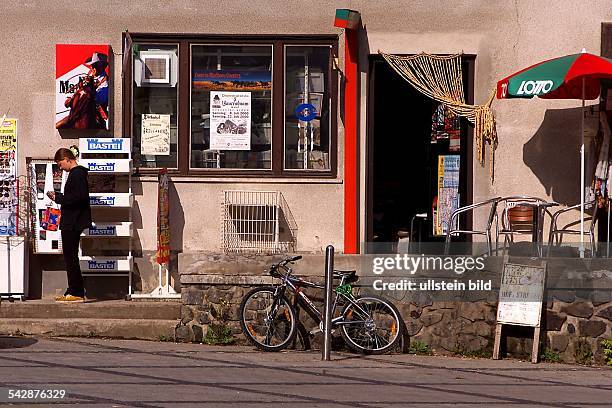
{"x": 403, "y": 157}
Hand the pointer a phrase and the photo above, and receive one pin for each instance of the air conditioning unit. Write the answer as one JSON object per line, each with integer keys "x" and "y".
{"x": 156, "y": 68}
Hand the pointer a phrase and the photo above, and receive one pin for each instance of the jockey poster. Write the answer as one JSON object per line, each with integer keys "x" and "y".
{"x": 81, "y": 86}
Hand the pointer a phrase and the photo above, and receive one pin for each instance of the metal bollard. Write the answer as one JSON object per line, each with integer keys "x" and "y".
{"x": 327, "y": 317}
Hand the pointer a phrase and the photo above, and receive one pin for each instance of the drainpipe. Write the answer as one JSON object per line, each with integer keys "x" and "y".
{"x": 349, "y": 20}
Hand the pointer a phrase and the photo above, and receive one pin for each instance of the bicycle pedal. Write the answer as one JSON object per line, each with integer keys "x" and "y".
{"x": 318, "y": 330}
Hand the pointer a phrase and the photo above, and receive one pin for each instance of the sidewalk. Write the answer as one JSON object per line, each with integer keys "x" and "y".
{"x": 130, "y": 373}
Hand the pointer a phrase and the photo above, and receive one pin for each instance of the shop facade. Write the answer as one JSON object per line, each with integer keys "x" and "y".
{"x": 173, "y": 61}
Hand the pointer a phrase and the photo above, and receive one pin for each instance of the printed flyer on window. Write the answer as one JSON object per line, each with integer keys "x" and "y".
{"x": 230, "y": 120}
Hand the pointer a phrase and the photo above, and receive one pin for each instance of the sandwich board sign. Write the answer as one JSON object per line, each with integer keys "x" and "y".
{"x": 521, "y": 294}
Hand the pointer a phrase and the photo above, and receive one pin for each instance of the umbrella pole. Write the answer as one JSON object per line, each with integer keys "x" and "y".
{"x": 582, "y": 171}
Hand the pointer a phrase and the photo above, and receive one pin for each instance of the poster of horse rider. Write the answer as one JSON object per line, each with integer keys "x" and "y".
{"x": 81, "y": 86}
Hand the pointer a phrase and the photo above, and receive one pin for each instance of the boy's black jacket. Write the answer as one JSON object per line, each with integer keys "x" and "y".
{"x": 76, "y": 212}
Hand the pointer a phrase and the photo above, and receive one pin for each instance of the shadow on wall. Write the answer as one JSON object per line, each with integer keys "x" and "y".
{"x": 553, "y": 154}
{"x": 145, "y": 269}
{"x": 177, "y": 219}
{"x": 77, "y": 134}
{"x": 177, "y": 226}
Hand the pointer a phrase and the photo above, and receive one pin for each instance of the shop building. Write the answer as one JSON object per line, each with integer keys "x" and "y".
{"x": 358, "y": 170}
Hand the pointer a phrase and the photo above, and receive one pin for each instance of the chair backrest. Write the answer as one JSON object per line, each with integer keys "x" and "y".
{"x": 520, "y": 218}
{"x": 518, "y": 213}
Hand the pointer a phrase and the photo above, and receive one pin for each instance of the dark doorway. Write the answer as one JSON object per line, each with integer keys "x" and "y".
{"x": 402, "y": 166}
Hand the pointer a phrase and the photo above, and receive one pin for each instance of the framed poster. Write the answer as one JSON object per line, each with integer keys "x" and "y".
{"x": 82, "y": 86}
{"x": 230, "y": 120}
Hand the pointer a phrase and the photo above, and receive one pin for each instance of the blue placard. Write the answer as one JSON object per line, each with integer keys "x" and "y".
{"x": 306, "y": 112}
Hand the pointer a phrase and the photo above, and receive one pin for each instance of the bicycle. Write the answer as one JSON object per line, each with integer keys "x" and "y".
{"x": 368, "y": 324}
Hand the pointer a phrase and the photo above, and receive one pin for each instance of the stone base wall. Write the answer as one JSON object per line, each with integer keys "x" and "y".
{"x": 573, "y": 330}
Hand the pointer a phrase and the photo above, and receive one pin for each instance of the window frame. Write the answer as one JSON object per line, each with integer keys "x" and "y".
{"x": 329, "y": 101}
{"x": 278, "y": 43}
{"x": 208, "y": 170}
{"x": 131, "y": 110}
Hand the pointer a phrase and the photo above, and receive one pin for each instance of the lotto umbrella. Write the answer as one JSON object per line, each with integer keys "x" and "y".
{"x": 575, "y": 76}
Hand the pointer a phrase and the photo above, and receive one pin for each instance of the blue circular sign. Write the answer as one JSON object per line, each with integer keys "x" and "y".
{"x": 306, "y": 112}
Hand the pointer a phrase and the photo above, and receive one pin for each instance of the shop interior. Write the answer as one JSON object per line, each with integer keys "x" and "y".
{"x": 403, "y": 159}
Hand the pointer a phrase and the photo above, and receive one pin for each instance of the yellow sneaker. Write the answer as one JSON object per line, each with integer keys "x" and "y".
{"x": 70, "y": 298}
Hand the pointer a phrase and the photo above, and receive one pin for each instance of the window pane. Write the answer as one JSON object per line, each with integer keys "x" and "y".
{"x": 155, "y": 92}
{"x": 307, "y": 141}
{"x": 229, "y": 85}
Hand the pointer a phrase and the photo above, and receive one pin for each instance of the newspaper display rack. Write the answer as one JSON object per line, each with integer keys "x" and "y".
{"x": 110, "y": 160}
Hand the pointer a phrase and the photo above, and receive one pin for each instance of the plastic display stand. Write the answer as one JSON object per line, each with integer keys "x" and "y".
{"x": 109, "y": 156}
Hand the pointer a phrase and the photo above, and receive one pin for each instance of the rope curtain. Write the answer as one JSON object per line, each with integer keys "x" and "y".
{"x": 440, "y": 77}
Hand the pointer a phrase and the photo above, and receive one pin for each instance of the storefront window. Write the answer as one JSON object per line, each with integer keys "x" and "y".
{"x": 155, "y": 96}
{"x": 231, "y": 106}
{"x": 307, "y": 104}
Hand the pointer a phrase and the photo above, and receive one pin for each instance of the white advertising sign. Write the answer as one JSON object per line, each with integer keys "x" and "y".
{"x": 520, "y": 295}
{"x": 230, "y": 120}
{"x": 155, "y": 137}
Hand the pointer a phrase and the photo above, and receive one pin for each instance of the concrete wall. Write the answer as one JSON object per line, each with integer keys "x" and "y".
{"x": 538, "y": 149}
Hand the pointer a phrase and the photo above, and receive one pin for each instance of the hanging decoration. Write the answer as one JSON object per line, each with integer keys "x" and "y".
{"x": 440, "y": 78}
{"x": 445, "y": 124}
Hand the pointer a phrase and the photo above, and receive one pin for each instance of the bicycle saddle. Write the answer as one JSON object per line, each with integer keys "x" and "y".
{"x": 350, "y": 275}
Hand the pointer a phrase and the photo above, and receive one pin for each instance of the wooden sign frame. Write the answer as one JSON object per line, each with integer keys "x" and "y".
{"x": 513, "y": 277}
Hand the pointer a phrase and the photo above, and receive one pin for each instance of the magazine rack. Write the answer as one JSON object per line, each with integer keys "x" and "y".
{"x": 112, "y": 225}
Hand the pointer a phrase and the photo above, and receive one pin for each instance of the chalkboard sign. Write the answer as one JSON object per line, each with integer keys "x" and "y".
{"x": 520, "y": 295}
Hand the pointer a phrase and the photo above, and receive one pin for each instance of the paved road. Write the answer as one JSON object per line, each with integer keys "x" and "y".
{"x": 124, "y": 373}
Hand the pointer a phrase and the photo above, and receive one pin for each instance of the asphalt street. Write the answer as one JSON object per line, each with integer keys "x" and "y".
{"x": 129, "y": 373}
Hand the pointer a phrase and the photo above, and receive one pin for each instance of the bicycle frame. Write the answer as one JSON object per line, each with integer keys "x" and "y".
{"x": 295, "y": 284}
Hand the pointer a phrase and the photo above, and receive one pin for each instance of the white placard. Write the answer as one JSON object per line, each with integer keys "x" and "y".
{"x": 520, "y": 295}
{"x": 230, "y": 120}
{"x": 155, "y": 136}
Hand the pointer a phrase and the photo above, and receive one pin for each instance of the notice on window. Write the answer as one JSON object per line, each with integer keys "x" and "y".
{"x": 230, "y": 120}
{"x": 520, "y": 295}
{"x": 155, "y": 137}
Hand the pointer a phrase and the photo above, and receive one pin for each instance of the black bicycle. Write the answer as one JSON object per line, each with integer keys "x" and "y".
{"x": 368, "y": 324}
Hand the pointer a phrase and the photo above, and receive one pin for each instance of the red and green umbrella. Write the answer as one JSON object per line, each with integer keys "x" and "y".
{"x": 575, "y": 76}
{"x": 558, "y": 78}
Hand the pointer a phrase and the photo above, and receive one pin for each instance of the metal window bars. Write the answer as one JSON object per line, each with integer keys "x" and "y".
{"x": 257, "y": 221}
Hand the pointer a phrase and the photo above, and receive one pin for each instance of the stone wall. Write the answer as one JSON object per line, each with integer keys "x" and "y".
{"x": 574, "y": 324}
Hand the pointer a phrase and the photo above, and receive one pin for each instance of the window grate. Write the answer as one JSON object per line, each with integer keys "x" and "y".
{"x": 257, "y": 221}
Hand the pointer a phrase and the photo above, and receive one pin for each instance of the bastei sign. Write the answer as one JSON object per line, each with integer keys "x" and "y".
{"x": 82, "y": 86}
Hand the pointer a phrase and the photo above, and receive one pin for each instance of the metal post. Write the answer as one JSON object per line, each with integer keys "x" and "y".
{"x": 582, "y": 171}
{"x": 329, "y": 278}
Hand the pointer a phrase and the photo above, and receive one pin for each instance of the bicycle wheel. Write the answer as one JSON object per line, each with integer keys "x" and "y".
{"x": 372, "y": 327}
{"x": 268, "y": 323}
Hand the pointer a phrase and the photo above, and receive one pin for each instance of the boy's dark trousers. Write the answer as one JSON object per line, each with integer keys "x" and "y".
{"x": 70, "y": 245}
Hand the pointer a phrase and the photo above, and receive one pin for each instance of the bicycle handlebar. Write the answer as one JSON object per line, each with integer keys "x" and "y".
{"x": 284, "y": 262}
